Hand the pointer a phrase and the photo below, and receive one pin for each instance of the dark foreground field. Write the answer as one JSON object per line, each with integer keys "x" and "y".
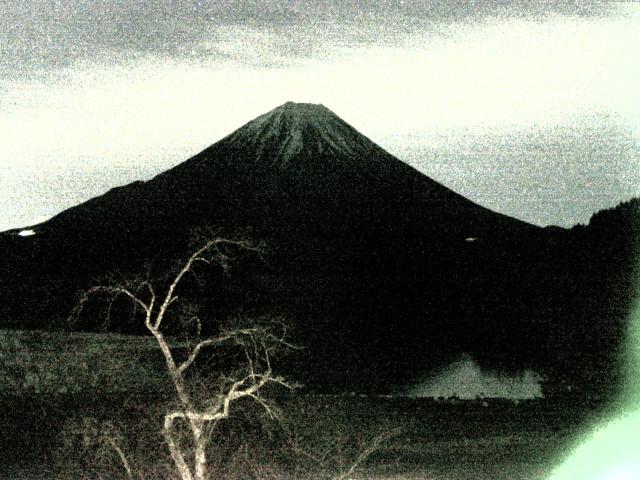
{"x": 70, "y": 404}
{"x": 72, "y": 436}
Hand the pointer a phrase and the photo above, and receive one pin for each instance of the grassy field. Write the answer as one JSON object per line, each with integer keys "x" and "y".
{"x": 40, "y": 362}
{"x": 64, "y": 394}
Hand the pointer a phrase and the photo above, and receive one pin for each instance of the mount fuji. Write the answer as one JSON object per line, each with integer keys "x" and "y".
{"x": 383, "y": 272}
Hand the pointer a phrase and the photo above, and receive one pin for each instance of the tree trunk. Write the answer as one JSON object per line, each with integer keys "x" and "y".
{"x": 201, "y": 452}
{"x": 176, "y": 454}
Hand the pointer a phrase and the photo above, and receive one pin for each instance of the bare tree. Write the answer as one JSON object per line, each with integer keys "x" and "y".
{"x": 199, "y": 416}
{"x": 325, "y": 452}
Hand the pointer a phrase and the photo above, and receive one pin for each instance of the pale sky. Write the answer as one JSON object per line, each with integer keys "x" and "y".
{"x": 533, "y": 111}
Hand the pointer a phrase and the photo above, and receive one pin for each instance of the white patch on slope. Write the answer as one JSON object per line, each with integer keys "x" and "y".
{"x": 464, "y": 379}
{"x": 26, "y": 233}
{"x": 338, "y": 143}
{"x": 292, "y": 145}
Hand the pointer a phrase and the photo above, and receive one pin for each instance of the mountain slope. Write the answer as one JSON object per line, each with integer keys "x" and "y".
{"x": 304, "y": 146}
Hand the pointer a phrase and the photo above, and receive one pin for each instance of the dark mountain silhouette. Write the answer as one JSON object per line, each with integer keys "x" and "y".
{"x": 383, "y": 272}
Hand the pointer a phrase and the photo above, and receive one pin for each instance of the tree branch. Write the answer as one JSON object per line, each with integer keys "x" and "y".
{"x": 373, "y": 446}
{"x": 121, "y": 456}
{"x": 112, "y": 290}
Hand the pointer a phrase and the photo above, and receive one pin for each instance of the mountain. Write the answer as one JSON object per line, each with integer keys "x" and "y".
{"x": 383, "y": 272}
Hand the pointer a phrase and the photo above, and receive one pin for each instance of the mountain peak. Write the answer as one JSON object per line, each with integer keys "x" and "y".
{"x": 302, "y": 107}
{"x": 302, "y": 115}
{"x": 292, "y": 129}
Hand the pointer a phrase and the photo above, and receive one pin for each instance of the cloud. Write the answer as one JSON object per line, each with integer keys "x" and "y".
{"x": 41, "y": 35}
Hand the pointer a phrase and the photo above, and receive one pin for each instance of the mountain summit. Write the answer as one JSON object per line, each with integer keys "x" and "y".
{"x": 296, "y": 129}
